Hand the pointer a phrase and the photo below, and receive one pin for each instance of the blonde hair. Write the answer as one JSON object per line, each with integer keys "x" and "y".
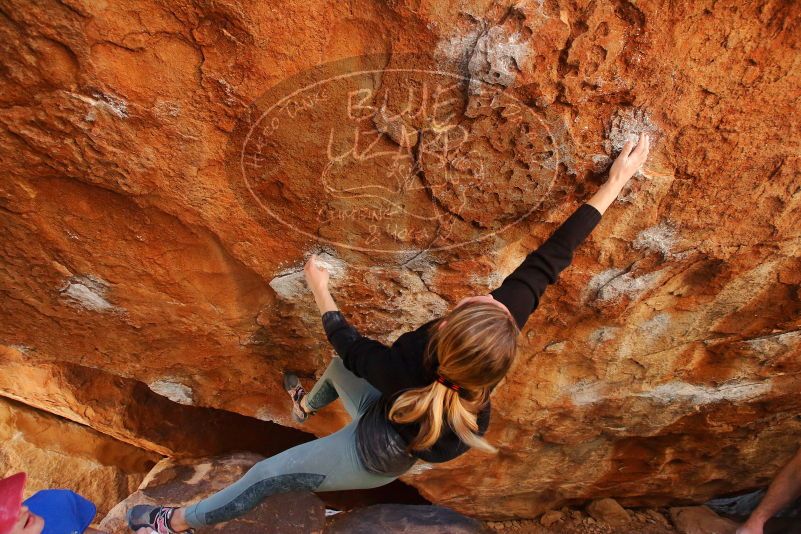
{"x": 474, "y": 349}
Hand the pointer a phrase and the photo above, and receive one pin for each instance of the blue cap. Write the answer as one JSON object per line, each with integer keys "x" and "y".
{"x": 63, "y": 511}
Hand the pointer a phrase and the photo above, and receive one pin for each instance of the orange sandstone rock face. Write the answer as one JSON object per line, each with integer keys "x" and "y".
{"x": 169, "y": 167}
{"x": 60, "y": 454}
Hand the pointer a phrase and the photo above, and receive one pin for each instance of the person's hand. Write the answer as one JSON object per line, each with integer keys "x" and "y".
{"x": 750, "y": 527}
{"x": 28, "y": 523}
{"x": 316, "y": 276}
{"x": 629, "y": 161}
{"x": 145, "y": 530}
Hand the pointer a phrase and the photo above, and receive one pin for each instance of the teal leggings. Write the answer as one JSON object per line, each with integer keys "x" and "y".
{"x": 325, "y": 464}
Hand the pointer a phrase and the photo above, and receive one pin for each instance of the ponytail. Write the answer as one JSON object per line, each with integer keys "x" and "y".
{"x": 427, "y": 405}
{"x": 474, "y": 349}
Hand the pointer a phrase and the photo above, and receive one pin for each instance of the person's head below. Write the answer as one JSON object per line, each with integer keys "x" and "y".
{"x": 474, "y": 346}
{"x": 15, "y": 518}
{"x": 48, "y": 510}
{"x": 27, "y": 523}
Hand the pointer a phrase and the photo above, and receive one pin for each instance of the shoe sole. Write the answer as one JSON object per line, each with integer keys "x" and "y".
{"x": 291, "y": 381}
{"x": 134, "y": 512}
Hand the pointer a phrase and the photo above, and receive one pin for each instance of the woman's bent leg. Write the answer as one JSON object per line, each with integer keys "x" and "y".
{"x": 337, "y": 381}
{"x": 326, "y": 464}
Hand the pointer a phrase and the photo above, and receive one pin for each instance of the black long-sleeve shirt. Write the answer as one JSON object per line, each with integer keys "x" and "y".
{"x": 395, "y": 369}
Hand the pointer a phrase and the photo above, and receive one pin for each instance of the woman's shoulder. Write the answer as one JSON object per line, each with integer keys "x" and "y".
{"x": 412, "y": 344}
{"x": 422, "y": 332}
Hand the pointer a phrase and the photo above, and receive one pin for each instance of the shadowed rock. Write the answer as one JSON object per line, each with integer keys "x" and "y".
{"x": 402, "y": 519}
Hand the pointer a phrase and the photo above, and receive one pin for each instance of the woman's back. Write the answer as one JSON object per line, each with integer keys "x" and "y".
{"x": 403, "y": 366}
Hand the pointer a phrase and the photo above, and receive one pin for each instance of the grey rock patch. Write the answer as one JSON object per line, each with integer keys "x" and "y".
{"x": 497, "y": 58}
{"x": 88, "y": 292}
{"x": 626, "y": 125}
{"x": 678, "y": 391}
{"x": 290, "y": 284}
{"x": 173, "y": 390}
{"x": 659, "y": 238}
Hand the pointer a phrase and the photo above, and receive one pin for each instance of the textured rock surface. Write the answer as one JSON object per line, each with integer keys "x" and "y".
{"x": 571, "y": 521}
{"x": 60, "y": 454}
{"x": 186, "y": 481}
{"x": 662, "y": 368}
{"x": 608, "y": 511}
{"x": 402, "y": 519}
{"x": 701, "y": 520}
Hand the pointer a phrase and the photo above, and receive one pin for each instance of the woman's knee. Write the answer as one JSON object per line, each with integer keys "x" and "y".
{"x": 272, "y": 476}
{"x": 337, "y": 364}
{"x": 261, "y": 470}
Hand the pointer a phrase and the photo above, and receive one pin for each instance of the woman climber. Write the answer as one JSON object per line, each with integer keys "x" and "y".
{"x": 425, "y": 397}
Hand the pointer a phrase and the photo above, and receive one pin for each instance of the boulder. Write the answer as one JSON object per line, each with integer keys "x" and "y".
{"x": 656, "y": 517}
{"x": 609, "y": 511}
{"x": 169, "y": 166}
{"x": 551, "y": 517}
{"x": 700, "y": 520}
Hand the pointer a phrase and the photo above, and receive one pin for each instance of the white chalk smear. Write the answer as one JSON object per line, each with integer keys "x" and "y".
{"x": 114, "y": 105}
{"x": 603, "y": 334}
{"x": 775, "y": 343}
{"x": 497, "y": 57}
{"x": 290, "y": 284}
{"x": 626, "y": 125}
{"x": 264, "y": 414}
{"x": 659, "y": 238}
{"x": 614, "y": 283}
{"x": 656, "y": 325}
{"x": 677, "y": 391}
{"x": 173, "y": 390}
{"x": 587, "y": 392}
{"x": 201, "y": 470}
{"x": 418, "y": 468}
{"x": 457, "y": 47}
{"x": 89, "y": 292}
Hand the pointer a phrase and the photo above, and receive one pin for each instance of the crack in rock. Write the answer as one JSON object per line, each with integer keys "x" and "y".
{"x": 611, "y": 284}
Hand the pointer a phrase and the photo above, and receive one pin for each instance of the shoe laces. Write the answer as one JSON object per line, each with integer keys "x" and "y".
{"x": 298, "y": 393}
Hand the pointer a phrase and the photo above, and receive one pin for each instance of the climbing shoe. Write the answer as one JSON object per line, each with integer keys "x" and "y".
{"x": 156, "y": 518}
{"x": 293, "y": 386}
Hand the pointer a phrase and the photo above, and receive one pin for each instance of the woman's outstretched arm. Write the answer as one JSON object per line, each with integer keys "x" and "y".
{"x": 520, "y": 292}
{"x": 367, "y": 358}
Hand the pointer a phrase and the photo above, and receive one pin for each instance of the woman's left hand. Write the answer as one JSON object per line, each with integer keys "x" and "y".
{"x": 316, "y": 276}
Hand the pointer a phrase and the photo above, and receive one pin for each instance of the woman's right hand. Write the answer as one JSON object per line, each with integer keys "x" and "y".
{"x": 629, "y": 161}
{"x": 316, "y": 276}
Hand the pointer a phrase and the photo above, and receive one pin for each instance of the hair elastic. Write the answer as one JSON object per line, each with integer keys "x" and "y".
{"x": 442, "y": 380}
